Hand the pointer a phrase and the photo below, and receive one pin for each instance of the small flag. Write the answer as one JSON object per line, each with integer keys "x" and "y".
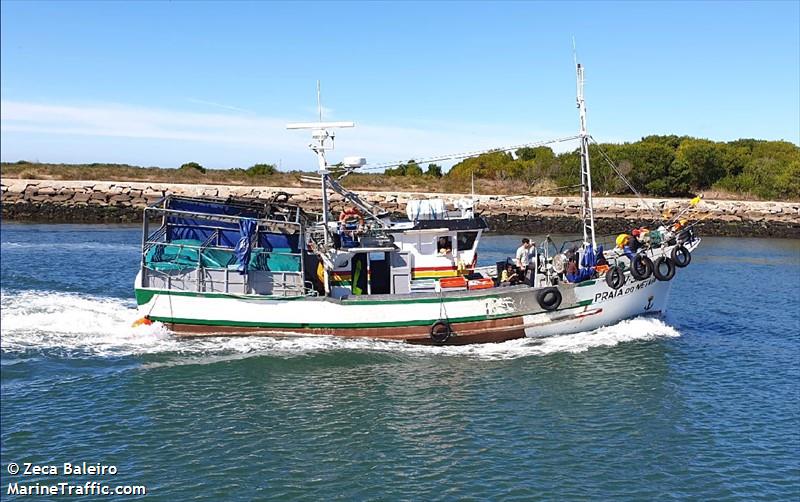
{"x": 695, "y": 201}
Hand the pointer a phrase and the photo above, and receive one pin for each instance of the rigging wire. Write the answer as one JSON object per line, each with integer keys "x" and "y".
{"x": 624, "y": 179}
{"x": 465, "y": 155}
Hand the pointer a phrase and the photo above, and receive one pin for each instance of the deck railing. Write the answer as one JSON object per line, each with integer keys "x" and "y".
{"x": 189, "y": 270}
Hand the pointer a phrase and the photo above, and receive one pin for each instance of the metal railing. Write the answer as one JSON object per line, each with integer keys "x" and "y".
{"x": 195, "y": 276}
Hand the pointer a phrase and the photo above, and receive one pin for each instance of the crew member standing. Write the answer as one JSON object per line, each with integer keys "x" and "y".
{"x": 524, "y": 254}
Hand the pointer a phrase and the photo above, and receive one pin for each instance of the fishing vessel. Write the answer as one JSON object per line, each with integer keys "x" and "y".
{"x": 238, "y": 266}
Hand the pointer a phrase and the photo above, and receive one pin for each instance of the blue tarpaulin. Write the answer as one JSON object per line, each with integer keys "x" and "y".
{"x": 247, "y": 227}
{"x": 270, "y": 241}
{"x": 586, "y": 270}
{"x": 589, "y": 258}
{"x": 180, "y": 227}
{"x": 199, "y": 228}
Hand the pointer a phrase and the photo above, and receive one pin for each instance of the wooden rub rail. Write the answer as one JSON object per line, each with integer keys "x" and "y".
{"x": 110, "y": 201}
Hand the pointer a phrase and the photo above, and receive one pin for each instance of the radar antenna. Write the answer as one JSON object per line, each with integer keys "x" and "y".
{"x": 320, "y": 134}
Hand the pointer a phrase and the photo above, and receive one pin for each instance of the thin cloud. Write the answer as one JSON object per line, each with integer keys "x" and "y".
{"x": 211, "y": 134}
{"x": 218, "y": 105}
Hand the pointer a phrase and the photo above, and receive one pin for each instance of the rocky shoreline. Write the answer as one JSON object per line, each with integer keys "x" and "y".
{"x": 122, "y": 202}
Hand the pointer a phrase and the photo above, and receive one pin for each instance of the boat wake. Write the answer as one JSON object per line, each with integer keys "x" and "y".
{"x": 71, "y": 325}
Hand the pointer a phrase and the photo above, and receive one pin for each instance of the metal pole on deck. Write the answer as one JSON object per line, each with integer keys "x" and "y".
{"x": 587, "y": 206}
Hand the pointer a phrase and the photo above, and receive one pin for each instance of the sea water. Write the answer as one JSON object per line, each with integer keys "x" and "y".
{"x": 703, "y": 403}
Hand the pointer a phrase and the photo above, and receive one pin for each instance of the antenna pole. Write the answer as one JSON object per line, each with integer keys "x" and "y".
{"x": 587, "y": 207}
{"x": 319, "y": 101}
{"x": 319, "y": 135}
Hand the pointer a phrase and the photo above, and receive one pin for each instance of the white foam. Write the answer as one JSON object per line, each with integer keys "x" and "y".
{"x": 79, "y": 325}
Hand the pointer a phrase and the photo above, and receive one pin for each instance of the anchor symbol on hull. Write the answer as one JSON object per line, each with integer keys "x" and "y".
{"x": 649, "y": 303}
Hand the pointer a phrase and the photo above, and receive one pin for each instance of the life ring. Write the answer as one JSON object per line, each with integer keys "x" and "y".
{"x": 549, "y": 298}
{"x": 664, "y": 276}
{"x": 560, "y": 263}
{"x": 681, "y": 256}
{"x": 440, "y": 331}
{"x": 615, "y": 277}
{"x": 641, "y": 267}
{"x": 350, "y": 214}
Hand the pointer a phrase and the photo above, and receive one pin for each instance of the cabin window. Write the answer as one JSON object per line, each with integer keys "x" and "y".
{"x": 444, "y": 244}
{"x": 466, "y": 240}
{"x": 427, "y": 246}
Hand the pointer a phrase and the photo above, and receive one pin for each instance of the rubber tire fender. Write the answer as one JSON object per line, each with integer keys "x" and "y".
{"x": 641, "y": 267}
{"x": 670, "y": 273}
{"x": 440, "y": 331}
{"x": 549, "y": 298}
{"x": 615, "y": 277}
{"x": 681, "y": 256}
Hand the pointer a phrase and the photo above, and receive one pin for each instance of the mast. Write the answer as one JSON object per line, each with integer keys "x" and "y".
{"x": 587, "y": 208}
{"x": 319, "y": 135}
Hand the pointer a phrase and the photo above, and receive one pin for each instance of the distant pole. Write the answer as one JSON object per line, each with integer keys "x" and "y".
{"x": 472, "y": 174}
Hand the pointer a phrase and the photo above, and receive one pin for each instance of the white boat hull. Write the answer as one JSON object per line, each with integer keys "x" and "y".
{"x": 489, "y": 315}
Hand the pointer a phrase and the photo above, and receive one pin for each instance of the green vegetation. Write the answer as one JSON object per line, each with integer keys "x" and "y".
{"x": 656, "y": 165}
{"x": 262, "y": 170}
{"x": 434, "y": 171}
{"x": 676, "y": 166}
{"x": 193, "y": 166}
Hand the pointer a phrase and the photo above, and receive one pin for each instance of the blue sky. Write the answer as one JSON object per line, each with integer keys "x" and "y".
{"x": 163, "y": 83}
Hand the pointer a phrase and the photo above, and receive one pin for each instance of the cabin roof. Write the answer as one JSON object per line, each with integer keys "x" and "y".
{"x": 476, "y": 223}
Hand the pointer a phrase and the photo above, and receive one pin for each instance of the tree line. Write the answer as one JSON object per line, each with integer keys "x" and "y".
{"x": 672, "y": 165}
{"x": 655, "y": 165}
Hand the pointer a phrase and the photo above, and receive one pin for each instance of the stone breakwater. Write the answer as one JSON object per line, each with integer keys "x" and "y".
{"x": 122, "y": 202}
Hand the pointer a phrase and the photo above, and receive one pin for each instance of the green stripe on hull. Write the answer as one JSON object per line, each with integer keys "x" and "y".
{"x": 143, "y": 296}
{"x": 394, "y": 324}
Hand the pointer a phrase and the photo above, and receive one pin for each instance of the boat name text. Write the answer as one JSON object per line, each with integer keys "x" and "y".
{"x": 607, "y": 295}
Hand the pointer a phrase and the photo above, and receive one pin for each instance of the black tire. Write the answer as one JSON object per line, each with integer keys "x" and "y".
{"x": 641, "y": 267}
{"x": 440, "y": 331}
{"x": 549, "y": 298}
{"x": 681, "y": 256}
{"x": 659, "y": 263}
{"x": 615, "y": 277}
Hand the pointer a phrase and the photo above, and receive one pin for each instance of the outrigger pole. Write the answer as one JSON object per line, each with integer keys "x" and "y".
{"x": 587, "y": 208}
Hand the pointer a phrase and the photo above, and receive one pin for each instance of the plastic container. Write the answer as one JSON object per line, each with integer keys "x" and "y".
{"x": 484, "y": 283}
{"x": 452, "y": 282}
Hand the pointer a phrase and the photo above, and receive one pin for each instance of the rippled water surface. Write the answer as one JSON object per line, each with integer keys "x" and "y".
{"x": 703, "y": 404}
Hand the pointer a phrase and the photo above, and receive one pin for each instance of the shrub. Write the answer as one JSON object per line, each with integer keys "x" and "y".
{"x": 193, "y": 166}
{"x": 262, "y": 170}
{"x": 411, "y": 168}
{"x": 434, "y": 170}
